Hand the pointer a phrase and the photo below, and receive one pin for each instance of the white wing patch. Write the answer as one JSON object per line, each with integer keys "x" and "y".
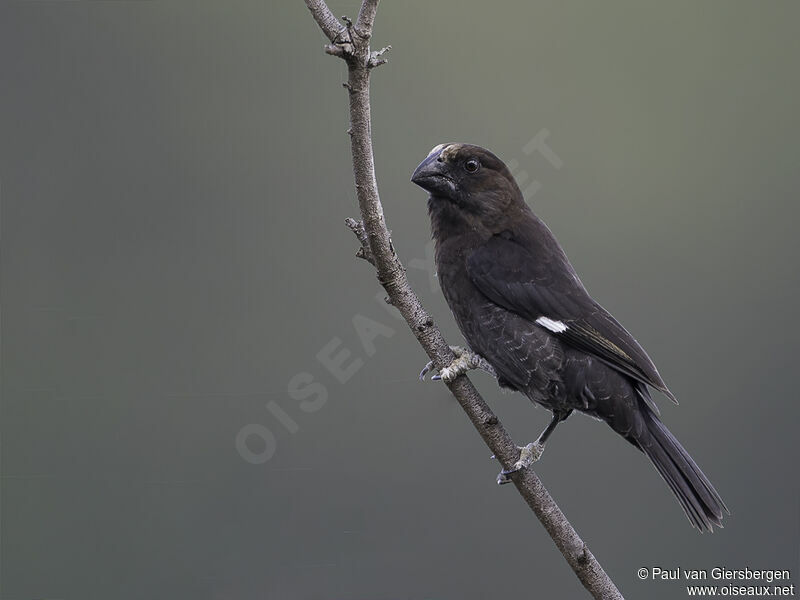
{"x": 554, "y": 326}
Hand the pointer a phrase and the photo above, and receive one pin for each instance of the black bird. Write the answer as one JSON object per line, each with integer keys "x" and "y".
{"x": 524, "y": 311}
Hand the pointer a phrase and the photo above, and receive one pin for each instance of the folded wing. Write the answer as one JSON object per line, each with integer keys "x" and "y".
{"x": 511, "y": 276}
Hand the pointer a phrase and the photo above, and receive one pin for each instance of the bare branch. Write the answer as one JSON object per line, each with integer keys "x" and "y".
{"x": 376, "y": 247}
{"x": 374, "y": 57}
{"x": 366, "y": 18}
{"x": 334, "y": 50}
{"x": 329, "y": 24}
{"x": 357, "y": 227}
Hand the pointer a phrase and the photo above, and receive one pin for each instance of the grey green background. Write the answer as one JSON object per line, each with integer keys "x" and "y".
{"x": 173, "y": 181}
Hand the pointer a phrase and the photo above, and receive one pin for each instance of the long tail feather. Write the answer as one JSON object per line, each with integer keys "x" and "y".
{"x": 698, "y": 498}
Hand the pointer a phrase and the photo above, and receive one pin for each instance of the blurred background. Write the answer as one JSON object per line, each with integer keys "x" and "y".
{"x": 189, "y": 406}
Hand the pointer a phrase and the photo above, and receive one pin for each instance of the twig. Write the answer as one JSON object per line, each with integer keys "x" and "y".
{"x": 351, "y": 43}
{"x": 357, "y": 227}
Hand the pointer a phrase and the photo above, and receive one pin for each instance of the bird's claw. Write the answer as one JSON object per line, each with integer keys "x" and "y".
{"x": 460, "y": 365}
{"x": 527, "y": 456}
{"x": 425, "y": 370}
{"x": 465, "y": 361}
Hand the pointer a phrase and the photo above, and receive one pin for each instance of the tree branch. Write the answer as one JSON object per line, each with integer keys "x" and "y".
{"x": 357, "y": 227}
{"x": 366, "y": 18}
{"x": 351, "y": 43}
{"x": 327, "y": 22}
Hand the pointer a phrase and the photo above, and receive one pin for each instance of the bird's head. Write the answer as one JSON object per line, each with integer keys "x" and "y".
{"x": 469, "y": 177}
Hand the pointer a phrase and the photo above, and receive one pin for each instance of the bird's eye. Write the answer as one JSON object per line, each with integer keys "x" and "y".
{"x": 472, "y": 165}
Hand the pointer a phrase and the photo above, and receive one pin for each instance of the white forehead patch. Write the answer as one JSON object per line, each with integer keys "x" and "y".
{"x": 437, "y": 149}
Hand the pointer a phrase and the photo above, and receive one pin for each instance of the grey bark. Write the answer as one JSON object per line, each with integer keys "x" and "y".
{"x": 350, "y": 41}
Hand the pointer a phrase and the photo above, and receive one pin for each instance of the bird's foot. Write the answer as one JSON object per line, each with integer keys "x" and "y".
{"x": 527, "y": 456}
{"x": 465, "y": 360}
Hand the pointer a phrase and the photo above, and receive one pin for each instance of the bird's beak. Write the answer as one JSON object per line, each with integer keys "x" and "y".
{"x": 431, "y": 174}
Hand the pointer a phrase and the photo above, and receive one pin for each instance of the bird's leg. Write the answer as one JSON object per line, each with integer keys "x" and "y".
{"x": 465, "y": 360}
{"x": 532, "y": 452}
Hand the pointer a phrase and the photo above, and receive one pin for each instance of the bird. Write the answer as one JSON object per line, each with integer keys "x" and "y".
{"x": 529, "y": 321}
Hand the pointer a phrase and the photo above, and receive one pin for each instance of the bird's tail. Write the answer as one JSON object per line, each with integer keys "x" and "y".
{"x": 698, "y": 498}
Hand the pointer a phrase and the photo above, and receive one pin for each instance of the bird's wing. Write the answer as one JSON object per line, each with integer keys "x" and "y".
{"x": 545, "y": 290}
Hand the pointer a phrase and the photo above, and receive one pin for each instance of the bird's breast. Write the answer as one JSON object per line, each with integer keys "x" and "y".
{"x": 521, "y": 352}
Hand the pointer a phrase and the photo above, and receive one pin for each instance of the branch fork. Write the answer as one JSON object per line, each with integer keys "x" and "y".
{"x": 349, "y": 41}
